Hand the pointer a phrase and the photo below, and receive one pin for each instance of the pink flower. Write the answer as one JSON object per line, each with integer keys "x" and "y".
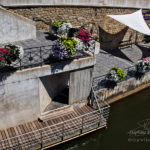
{"x": 145, "y": 59}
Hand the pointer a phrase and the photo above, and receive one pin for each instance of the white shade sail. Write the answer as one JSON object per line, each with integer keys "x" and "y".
{"x": 135, "y": 21}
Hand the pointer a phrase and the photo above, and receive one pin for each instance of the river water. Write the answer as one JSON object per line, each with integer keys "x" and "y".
{"x": 128, "y": 127}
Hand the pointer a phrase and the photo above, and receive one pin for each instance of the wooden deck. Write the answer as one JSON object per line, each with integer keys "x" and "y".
{"x": 54, "y": 129}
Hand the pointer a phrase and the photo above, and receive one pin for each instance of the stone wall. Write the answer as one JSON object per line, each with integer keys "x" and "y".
{"x": 15, "y": 27}
{"x": 111, "y": 31}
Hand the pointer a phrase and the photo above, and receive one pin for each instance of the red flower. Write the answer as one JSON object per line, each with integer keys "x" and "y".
{"x": 2, "y": 58}
{"x": 84, "y": 35}
{"x": 3, "y": 50}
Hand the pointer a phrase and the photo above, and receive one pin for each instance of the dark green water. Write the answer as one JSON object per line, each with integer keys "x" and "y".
{"x": 124, "y": 116}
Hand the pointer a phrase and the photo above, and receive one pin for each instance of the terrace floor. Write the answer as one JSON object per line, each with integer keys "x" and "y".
{"x": 37, "y": 50}
{"x": 122, "y": 58}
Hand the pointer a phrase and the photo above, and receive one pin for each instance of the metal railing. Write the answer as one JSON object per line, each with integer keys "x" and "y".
{"x": 38, "y": 56}
{"x": 57, "y": 132}
{"x": 100, "y": 82}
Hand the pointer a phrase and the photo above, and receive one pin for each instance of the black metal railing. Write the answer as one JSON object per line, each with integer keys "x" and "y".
{"x": 38, "y": 56}
{"x": 100, "y": 82}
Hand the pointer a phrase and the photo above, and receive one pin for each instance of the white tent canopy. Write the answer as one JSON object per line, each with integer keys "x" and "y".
{"x": 135, "y": 21}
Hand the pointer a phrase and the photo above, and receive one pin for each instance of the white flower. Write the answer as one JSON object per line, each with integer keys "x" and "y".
{"x": 21, "y": 51}
{"x": 63, "y": 29}
{"x": 80, "y": 45}
{"x": 91, "y": 46}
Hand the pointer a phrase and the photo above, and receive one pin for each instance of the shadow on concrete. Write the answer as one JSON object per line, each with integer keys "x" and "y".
{"x": 145, "y": 51}
{"x": 6, "y": 72}
{"x": 111, "y": 41}
{"x": 50, "y": 36}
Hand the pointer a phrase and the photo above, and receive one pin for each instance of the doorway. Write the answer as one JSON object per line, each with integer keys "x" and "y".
{"x": 54, "y": 91}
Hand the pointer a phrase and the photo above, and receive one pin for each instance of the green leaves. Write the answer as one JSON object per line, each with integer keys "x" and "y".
{"x": 119, "y": 72}
{"x": 57, "y": 24}
{"x": 70, "y": 44}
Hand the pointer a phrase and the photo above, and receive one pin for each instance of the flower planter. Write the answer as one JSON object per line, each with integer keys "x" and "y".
{"x": 9, "y": 54}
{"x": 143, "y": 66}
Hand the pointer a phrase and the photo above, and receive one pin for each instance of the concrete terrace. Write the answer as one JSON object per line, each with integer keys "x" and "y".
{"x": 123, "y": 57}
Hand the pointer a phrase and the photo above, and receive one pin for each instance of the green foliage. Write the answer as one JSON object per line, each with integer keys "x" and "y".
{"x": 57, "y": 24}
{"x": 119, "y": 72}
{"x": 14, "y": 50}
{"x": 69, "y": 45}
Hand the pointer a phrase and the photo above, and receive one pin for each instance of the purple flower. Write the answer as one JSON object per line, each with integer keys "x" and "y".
{"x": 59, "y": 51}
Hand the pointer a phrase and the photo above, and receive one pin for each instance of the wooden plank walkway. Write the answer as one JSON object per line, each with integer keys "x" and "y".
{"x": 51, "y": 130}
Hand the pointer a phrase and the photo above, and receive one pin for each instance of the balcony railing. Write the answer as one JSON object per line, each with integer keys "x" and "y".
{"x": 58, "y": 132}
{"x": 100, "y": 82}
{"x": 38, "y": 56}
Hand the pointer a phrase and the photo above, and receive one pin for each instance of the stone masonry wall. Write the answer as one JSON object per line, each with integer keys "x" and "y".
{"x": 110, "y": 31}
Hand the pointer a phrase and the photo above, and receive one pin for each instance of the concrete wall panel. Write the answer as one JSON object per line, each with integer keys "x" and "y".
{"x": 15, "y": 28}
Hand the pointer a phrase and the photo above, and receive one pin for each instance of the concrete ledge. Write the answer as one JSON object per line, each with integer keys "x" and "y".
{"x": 45, "y": 70}
{"x": 128, "y": 93}
{"x": 124, "y": 89}
{"x": 96, "y": 3}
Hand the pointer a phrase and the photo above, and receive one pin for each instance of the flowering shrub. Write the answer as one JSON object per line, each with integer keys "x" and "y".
{"x": 61, "y": 28}
{"x": 10, "y": 53}
{"x": 59, "y": 51}
{"x": 143, "y": 65}
{"x": 4, "y": 56}
{"x": 64, "y": 48}
{"x": 64, "y": 29}
{"x": 71, "y": 40}
{"x": 84, "y": 35}
{"x": 79, "y": 46}
{"x": 116, "y": 74}
{"x": 57, "y": 24}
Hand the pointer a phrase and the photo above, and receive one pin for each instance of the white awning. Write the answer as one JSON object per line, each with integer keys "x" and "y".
{"x": 135, "y": 21}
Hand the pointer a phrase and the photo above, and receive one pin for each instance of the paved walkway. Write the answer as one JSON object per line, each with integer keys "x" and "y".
{"x": 122, "y": 58}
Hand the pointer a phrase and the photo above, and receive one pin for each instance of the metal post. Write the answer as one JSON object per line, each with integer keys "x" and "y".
{"x": 41, "y": 56}
{"x": 30, "y": 59}
{"x": 99, "y": 123}
{"x": 63, "y": 129}
{"x": 20, "y": 64}
{"x": 41, "y": 139}
{"x": 82, "y": 124}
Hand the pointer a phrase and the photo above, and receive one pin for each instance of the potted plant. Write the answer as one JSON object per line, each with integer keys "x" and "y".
{"x": 143, "y": 65}
{"x": 10, "y": 53}
{"x": 61, "y": 28}
{"x": 64, "y": 48}
{"x": 115, "y": 75}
